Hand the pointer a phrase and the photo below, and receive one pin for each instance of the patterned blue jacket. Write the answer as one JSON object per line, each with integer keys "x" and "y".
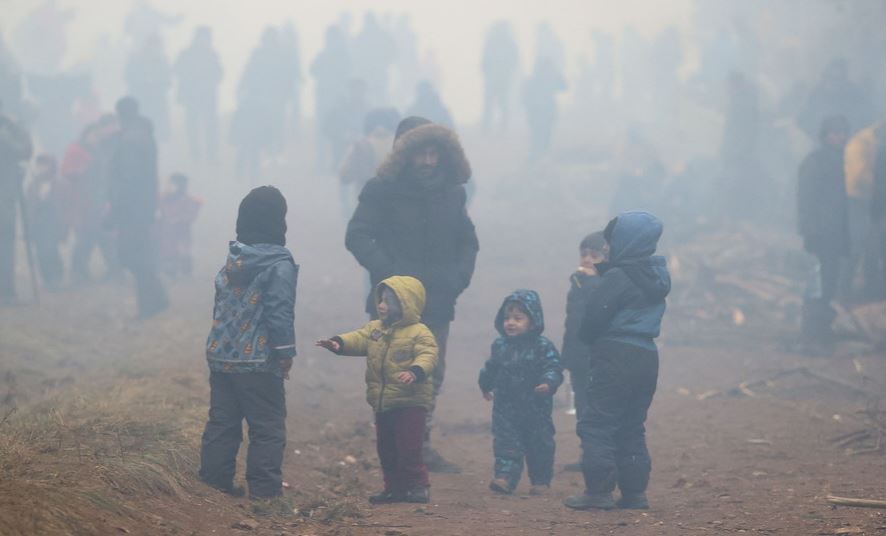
{"x": 518, "y": 364}
{"x": 253, "y": 321}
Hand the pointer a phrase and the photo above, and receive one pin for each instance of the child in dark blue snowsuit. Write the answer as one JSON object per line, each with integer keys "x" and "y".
{"x": 521, "y": 377}
{"x": 622, "y": 319}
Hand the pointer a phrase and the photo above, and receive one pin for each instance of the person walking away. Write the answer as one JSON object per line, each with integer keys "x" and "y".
{"x": 401, "y": 353}
{"x": 822, "y": 211}
{"x": 250, "y": 349}
{"x": 520, "y": 378}
{"x": 621, "y": 322}
{"x": 411, "y": 220}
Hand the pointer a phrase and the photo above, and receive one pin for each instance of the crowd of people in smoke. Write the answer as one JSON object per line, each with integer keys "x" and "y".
{"x": 71, "y": 168}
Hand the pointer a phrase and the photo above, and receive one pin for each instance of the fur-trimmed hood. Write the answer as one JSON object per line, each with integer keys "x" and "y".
{"x": 452, "y": 156}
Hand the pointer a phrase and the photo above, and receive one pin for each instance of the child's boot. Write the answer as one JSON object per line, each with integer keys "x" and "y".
{"x": 385, "y": 497}
{"x": 420, "y": 495}
{"x": 588, "y": 501}
{"x": 501, "y": 485}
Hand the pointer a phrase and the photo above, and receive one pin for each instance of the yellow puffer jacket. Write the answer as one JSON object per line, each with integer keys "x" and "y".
{"x": 394, "y": 349}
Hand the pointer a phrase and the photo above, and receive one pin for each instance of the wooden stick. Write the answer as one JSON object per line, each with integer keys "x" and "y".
{"x": 862, "y": 503}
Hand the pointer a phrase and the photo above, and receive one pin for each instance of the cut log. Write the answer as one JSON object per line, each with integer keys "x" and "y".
{"x": 861, "y": 503}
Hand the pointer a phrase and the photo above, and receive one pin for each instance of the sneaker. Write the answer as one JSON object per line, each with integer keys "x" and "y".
{"x": 500, "y": 485}
{"x": 539, "y": 490}
{"x": 420, "y": 495}
{"x": 273, "y": 506}
{"x": 385, "y": 497}
{"x": 572, "y": 467}
{"x": 599, "y": 501}
{"x": 436, "y": 463}
{"x": 633, "y": 501}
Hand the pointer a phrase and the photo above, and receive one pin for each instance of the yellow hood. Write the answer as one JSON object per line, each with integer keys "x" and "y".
{"x": 411, "y": 294}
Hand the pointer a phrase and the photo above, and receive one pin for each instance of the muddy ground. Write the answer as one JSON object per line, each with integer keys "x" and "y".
{"x": 108, "y": 411}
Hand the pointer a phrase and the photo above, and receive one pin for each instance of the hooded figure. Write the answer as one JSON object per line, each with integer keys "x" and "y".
{"x": 411, "y": 220}
{"x": 622, "y": 318}
{"x": 397, "y": 345}
{"x": 522, "y": 426}
{"x": 250, "y": 349}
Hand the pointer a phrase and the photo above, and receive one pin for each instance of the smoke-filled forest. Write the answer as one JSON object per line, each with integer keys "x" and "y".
{"x": 411, "y": 268}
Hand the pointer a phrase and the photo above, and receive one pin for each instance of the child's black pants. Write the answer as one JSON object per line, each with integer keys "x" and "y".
{"x": 259, "y": 398}
{"x": 621, "y": 385}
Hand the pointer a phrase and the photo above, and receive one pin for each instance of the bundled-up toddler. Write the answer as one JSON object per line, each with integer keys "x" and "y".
{"x": 521, "y": 378}
{"x": 401, "y": 353}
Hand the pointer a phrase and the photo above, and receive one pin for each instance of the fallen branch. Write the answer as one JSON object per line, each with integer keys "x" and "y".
{"x": 861, "y": 503}
{"x": 8, "y": 415}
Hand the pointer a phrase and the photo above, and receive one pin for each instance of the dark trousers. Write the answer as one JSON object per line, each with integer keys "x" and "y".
{"x": 441, "y": 335}
{"x": 136, "y": 248}
{"x": 259, "y": 398}
{"x": 399, "y": 438}
{"x": 523, "y": 432}
{"x": 621, "y": 385}
{"x": 829, "y": 266}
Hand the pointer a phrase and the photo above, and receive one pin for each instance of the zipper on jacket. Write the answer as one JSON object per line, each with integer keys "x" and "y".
{"x": 384, "y": 357}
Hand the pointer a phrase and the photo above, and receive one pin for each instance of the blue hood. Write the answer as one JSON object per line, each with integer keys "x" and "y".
{"x": 633, "y": 238}
{"x": 532, "y": 303}
{"x": 246, "y": 262}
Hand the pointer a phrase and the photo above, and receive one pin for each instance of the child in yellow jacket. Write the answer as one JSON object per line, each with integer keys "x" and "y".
{"x": 401, "y": 354}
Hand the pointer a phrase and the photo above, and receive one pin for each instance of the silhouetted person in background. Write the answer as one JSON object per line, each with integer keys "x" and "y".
{"x": 48, "y": 229}
{"x": 41, "y": 38}
{"x": 428, "y": 104}
{"x": 501, "y": 64}
{"x": 365, "y": 155}
{"x": 149, "y": 79}
{"x": 836, "y": 94}
{"x": 343, "y": 124}
{"x": 56, "y": 97}
{"x": 375, "y": 51}
{"x": 133, "y": 195}
{"x": 641, "y": 176}
{"x": 176, "y": 212}
{"x": 144, "y": 20}
{"x": 199, "y": 72}
{"x": 331, "y": 70}
{"x": 15, "y": 150}
{"x": 540, "y": 100}
{"x": 257, "y": 126}
{"x": 10, "y": 80}
{"x": 293, "y": 78}
{"x": 824, "y": 225}
{"x": 411, "y": 220}
{"x": 85, "y": 181}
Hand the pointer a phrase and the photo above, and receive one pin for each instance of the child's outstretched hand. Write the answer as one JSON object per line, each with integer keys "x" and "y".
{"x": 488, "y": 396}
{"x": 543, "y": 389}
{"x": 329, "y": 344}
{"x": 406, "y": 377}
